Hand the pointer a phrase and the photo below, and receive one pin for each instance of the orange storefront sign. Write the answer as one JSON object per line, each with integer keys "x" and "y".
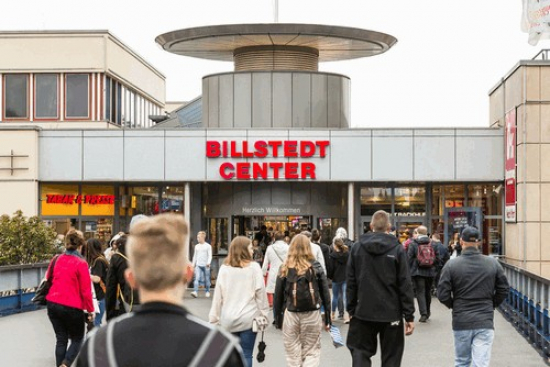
{"x": 66, "y": 200}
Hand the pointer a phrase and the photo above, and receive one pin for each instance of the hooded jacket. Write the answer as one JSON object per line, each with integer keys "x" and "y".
{"x": 337, "y": 266}
{"x": 379, "y": 286}
{"x": 412, "y": 252}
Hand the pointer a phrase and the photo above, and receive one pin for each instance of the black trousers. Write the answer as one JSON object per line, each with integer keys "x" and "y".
{"x": 422, "y": 289}
{"x": 363, "y": 340}
{"x": 68, "y": 323}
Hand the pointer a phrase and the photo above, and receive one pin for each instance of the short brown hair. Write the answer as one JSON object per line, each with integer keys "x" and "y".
{"x": 73, "y": 240}
{"x": 422, "y": 230}
{"x": 238, "y": 254}
{"x": 315, "y": 235}
{"x": 380, "y": 221}
{"x": 279, "y": 236}
{"x": 157, "y": 250}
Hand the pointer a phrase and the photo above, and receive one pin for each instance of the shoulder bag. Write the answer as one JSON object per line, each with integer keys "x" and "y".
{"x": 44, "y": 287}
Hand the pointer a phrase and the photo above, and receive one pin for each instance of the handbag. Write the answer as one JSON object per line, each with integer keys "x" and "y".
{"x": 44, "y": 287}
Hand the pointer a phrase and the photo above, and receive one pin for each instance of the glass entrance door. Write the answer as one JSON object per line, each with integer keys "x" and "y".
{"x": 405, "y": 226}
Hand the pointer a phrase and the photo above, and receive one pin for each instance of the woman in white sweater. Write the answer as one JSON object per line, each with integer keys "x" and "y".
{"x": 275, "y": 256}
{"x": 240, "y": 295}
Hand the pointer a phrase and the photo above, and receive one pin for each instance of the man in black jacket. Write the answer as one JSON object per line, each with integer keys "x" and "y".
{"x": 379, "y": 296}
{"x": 161, "y": 332}
{"x": 473, "y": 285}
{"x": 422, "y": 275}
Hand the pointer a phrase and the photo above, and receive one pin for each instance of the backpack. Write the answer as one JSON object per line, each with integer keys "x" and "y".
{"x": 425, "y": 255}
{"x": 302, "y": 291}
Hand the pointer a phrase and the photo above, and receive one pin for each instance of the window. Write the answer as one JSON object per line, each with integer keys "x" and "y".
{"x": 107, "y": 98}
{"x": 77, "y": 96}
{"x": 46, "y": 96}
{"x": 16, "y": 96}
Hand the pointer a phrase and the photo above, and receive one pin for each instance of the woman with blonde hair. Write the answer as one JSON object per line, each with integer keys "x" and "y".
{"x": 301, "y": 288}
{"x": 240, "y": 296}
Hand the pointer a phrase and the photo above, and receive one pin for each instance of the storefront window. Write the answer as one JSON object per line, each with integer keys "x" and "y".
{"x": 328, "y": 227}
{"x": 172, "y": 199}
{"x": 410, "y": 200}
{"x": 493, "y": 229}
{"x": 486, "y": 196}
{"x": 447, "y": 196}
{"x": 374, "y": 199}
{"x": 144, "y": 200}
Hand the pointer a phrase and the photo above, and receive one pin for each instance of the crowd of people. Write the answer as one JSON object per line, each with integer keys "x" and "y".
{"x": 138, "y": 283}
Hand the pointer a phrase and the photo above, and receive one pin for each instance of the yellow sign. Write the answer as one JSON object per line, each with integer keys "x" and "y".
{"x": 65, "y": 200}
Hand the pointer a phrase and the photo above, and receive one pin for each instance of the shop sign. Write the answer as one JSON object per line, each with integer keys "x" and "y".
{"x": 510, "y": 167}
{"x": 263, "y": 151}
{"x": 81, "y": 199}
{"x": 271, "y": 210}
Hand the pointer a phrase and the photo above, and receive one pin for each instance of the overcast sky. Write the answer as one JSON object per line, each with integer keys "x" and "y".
{"x": 448, "y": 56}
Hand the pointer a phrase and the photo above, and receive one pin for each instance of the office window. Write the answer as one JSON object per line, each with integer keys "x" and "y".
{"x": 16, "y": 96}
{"x": 107, "y": 98}
{"x": 77, "y": 96}
{"x": 46, "y": 96}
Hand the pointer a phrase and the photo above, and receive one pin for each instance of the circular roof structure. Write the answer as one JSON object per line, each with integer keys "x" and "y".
{"x": 219, "y": 42}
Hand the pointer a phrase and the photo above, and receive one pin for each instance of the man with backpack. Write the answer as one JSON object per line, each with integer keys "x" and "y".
{"x": 161, "y": 332}
{"x": 379, "y": 296}
{"x": 423, "y": 261}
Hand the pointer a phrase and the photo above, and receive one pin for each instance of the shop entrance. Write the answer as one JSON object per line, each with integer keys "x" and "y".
{"x": 250, "y": 225}
{"x": 405, "y": 226}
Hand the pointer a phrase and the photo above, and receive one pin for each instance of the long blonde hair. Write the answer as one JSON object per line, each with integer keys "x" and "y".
{"x": 299, "y": 255}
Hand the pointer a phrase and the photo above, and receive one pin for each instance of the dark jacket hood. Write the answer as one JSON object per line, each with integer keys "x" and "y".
{"x": 340, "y": 257}
{"x": 422, "y": 240}
{"x": 378, "y": 243}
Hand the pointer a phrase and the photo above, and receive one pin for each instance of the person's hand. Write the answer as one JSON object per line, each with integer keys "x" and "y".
{"x": 208, "y": 266}
{"x": 409, "y": 328}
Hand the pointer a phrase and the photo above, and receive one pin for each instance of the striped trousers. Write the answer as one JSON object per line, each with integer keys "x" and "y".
{"x": 302, "y": 338}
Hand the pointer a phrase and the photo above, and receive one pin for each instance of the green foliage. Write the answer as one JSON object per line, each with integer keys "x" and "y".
{"x": 25, "y": 240}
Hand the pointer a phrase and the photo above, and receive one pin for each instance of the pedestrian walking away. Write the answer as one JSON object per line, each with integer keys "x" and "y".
{"x": 423, "y": 259}
{"x": 99, "y": 267}
{"x": 69, "y": 299}
{"x": 338, "y": 260}
{"x": 202, "y": 259}
{"x": 301, "y": 288}
{"x": 161, "y": 332}
{"x": 379, "y": 296}
{"x": 240, "y": 298}
{"x": 472, "y": 285}
{"x": 275, "y": 256}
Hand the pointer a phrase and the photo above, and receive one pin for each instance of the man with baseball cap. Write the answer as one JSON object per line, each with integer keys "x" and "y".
{"x": 472, "y": 285}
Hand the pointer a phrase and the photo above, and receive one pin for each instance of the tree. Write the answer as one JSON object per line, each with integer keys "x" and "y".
{"x": 25, "y": 240}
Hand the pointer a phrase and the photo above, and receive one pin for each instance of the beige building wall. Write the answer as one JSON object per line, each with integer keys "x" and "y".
{"x": 19, "y": 188}
{"x": 527, "y": 89}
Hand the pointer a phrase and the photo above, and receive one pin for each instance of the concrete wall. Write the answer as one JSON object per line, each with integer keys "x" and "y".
{"x": 527, "y": 89}
{"x": 19, "y": 189}
{"x": 354, "y": 155}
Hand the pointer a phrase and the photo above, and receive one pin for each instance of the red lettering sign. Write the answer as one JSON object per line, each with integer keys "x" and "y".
{"x": 79, "y": 199}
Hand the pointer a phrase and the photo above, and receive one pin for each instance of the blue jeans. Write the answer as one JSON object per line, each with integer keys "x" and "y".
{"x": 202, "y": 274}
{"x": 248, "y": 339}
{"x": 99, "y": 316}
{"x": 338, "y": 288}
{"x": 473, "y": 347}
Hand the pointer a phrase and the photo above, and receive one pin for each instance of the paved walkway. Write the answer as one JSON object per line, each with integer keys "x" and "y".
{"x": 27, "y": 340}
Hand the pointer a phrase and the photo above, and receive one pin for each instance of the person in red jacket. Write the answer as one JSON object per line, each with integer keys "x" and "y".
{"x": 70, "y": 296}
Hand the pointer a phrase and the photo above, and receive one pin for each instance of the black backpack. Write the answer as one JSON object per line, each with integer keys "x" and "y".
{"x": 302, "y": 291}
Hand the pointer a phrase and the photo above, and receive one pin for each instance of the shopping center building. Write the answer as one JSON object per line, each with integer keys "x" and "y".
{"x": 269, "y": 143}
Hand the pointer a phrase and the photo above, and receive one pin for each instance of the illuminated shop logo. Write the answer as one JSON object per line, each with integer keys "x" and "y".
{"x": 81, "y": 199}
{"x": 261, "y": 167}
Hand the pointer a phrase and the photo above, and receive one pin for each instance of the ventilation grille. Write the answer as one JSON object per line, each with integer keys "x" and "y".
{"x": 276, "y": 58}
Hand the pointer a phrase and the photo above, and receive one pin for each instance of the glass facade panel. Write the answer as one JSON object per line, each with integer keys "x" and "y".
{"x": 493, "y": 230}
{"x": 486, "y": 196}
{"x": 77, "y": 96}
{"x": 46, "y": 94}
{"x": 172, "y": 199}
{"x": 410, "y": 200}
{"x": 16, "y": 93}
{"x": 144, "y": 200}
{"x": 107, "y": 98}
{"x": 447, "y": 196}
{"x": 375, "y": 198}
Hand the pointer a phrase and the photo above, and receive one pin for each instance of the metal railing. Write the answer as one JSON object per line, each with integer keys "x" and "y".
{"x": 527, "y": 308}
{"x": 544, "y": 55}
{"x": 17, "y": 286}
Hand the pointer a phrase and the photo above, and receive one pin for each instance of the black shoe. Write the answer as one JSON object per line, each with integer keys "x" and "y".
{"x": 423, "y": 318}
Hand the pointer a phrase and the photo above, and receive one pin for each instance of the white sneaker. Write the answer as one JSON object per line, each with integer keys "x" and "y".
{"x": 207, "y": 295}
{"x": 194, "y": 294}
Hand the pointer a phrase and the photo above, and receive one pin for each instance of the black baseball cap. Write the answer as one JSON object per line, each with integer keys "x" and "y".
{"x": 470, "y": 234}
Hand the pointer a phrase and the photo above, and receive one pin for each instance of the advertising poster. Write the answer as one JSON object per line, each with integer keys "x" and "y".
{"x": 510, "y": 166}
